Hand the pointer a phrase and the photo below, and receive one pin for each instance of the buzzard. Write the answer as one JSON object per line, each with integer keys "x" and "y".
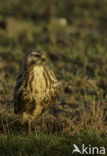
{"x": 36, "y": 88}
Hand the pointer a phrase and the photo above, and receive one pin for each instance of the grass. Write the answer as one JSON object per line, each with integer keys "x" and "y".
{"x": 73, "y": 35}
{"x": 43, "y": 144}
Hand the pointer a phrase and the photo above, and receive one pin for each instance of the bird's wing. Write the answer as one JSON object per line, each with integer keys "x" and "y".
{"x": 17, "y": 92}
{"x": 22, "y": 100}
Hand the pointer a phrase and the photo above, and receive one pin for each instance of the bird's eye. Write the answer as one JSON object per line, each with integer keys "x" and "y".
{"x": 36, "y": 55}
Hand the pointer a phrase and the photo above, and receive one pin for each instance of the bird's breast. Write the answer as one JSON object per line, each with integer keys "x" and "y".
{"x": 42, "y": 82}
{"x": 39, "y": 82}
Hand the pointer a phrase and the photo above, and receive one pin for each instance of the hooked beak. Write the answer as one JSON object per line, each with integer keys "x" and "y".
{"x": 43, "y": 57}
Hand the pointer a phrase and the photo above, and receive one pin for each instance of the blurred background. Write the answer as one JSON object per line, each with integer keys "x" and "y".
{"x": 73, "y": 33}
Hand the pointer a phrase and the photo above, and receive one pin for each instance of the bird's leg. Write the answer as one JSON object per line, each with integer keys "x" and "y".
{"x": 29, "y": 126}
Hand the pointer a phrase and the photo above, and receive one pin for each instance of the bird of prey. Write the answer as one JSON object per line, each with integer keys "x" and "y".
{"x": 36, "y": 88}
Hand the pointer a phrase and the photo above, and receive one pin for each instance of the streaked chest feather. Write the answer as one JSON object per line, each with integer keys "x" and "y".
{"x": 42, "y": 82}
{"x": 38, "y": 82}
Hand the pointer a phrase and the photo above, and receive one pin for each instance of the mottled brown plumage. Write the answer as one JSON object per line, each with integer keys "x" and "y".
{"x": 36, "y": 88}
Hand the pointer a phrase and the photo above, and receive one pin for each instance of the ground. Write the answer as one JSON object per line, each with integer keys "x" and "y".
{"x": 73, "y": 36}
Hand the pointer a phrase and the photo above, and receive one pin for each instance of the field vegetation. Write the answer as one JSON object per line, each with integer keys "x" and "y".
{"x": 74, "y": 36}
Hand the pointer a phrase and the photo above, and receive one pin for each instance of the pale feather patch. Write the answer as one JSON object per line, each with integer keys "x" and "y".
{"x": 24, "y": 117}
{"x": 37, "y": 111}
{"x": 39, "y": 83}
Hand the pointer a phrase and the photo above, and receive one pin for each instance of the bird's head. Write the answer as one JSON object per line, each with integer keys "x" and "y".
{"x": 35, "y": 57}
